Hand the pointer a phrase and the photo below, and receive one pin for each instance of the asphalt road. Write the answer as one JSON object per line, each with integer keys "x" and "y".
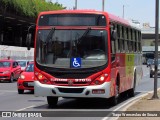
{"x": 10, "y": 100}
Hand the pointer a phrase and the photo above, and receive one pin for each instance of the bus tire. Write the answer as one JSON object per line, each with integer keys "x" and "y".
{"x": 131, "y": 92}
{"x": 52, "y": 101}
{"x": 115, "y": 99}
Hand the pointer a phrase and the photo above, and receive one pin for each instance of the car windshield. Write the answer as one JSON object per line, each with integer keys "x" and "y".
{"x": 153, "y": 62}
{"x": 150, "y": 60}
{"x": 59, "y": 48}
{"x": 30, "y": 68}
{"x": 4, "y": 64}
{"x": 22, "y": 63}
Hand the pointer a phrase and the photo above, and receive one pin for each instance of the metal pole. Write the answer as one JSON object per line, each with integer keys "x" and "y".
{"x": 123, "y": 11}
{"x": 75, "y": 4}
{"x": 103, "y": 3}
{"x": 155, "y": 96}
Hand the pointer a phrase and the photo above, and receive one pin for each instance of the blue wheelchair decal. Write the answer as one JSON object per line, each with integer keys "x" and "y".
{"x": 75, "y": 62}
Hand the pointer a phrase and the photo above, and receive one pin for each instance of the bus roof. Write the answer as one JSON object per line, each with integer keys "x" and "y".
{"x": 71, "y": 11}
{"x": 122, "y": 21}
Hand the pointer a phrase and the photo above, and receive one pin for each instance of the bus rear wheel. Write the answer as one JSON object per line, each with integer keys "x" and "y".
{"x": 52, "y": 101}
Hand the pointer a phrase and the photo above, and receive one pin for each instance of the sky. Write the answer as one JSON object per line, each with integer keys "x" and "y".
{"x": 141, "y": 10}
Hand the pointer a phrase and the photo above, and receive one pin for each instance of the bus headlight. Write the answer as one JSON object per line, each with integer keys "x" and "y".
{"x": 41, "y": 78}
{"x": 100, "y": 80}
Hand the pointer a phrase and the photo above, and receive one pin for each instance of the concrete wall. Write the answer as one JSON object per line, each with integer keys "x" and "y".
{"x": 16, "y": 53}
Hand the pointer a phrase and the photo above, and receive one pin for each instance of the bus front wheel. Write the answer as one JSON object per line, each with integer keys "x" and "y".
{"x": 131, "y": 92}
{"x": 52, "y": 101}
{"x": 115, "y": 99}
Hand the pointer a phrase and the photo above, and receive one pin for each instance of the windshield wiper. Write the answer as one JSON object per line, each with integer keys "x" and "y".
{"x": 84, "y": 34}
{"x": 74, "y": 44}
{"x": 51, "y": 32}
{"x": 49, "y": 37}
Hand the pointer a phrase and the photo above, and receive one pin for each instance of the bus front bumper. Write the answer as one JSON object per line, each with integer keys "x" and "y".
{"x": 98, "y": 91}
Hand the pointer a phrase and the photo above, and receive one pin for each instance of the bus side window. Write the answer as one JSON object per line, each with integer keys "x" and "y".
{"x": 113, "y": 50}
{"x": 113, "y": 44}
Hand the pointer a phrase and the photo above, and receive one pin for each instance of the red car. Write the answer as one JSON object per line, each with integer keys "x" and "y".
{"x": 9, "y": 70}
{"x": 26, "y": 79}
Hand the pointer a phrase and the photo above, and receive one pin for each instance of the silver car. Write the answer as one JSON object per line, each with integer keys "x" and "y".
{"x": 152, "y": 69}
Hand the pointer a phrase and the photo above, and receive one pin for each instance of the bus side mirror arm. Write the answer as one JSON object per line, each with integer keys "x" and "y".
{"x": 29, "y": 37}
{"x": 28, "y": 41}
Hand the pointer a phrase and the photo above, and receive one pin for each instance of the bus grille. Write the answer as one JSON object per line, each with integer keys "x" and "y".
{"x": 71, "y": 90}
{"x": 74, "y": 83}
{"x": 71, "y": 75}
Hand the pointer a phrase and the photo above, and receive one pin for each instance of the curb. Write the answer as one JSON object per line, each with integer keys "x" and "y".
{"x": 138, "y": 98}
{"x": 129, "y": 104}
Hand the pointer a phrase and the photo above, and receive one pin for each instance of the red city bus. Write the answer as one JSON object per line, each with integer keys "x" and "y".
{"x": 86, "y": 53}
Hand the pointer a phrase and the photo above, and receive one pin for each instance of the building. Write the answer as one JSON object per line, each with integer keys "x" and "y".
{"x": 148, "y": 41}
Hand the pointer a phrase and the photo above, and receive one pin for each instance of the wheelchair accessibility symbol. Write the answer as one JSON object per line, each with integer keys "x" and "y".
{"x": 75, "y": 62}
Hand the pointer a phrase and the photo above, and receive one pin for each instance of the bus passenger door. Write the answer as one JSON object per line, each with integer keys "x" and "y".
{"x": 113, "y": 60}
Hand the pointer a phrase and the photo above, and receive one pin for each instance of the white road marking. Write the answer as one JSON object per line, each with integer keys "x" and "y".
{"x": 26, "y": 108}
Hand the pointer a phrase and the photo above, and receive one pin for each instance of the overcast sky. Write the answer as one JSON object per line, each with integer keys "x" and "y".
{"x": 141, "y": 10}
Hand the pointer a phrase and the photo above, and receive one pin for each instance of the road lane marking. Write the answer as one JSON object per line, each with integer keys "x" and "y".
{"x": 26, "y": 108}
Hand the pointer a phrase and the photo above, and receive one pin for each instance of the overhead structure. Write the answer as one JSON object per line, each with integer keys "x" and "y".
{"x": 17, "y": 15}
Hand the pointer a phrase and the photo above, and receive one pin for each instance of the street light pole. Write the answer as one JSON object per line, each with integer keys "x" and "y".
{"x": 123, "y": 11}
{"x": 75, "y": 4}
{"x": 155, "y": 96}
{"x": 103, "y": 3}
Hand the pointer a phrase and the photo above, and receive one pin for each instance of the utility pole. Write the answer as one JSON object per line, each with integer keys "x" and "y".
{"x": 123, "y": 12}
{"x": 75, "y": 5}
{"x": 155, "y": 96}
{"x": 103, "y": 4}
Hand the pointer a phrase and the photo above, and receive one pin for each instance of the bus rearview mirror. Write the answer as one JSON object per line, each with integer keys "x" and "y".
{"x": 28, "y": 41}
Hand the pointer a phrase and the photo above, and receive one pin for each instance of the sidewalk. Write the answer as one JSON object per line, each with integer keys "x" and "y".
{"x": 144, "y": 104}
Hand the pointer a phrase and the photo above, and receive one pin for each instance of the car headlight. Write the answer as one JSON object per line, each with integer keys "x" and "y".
{"x": 22, "y": 77}
{"x": 6, "y": 72}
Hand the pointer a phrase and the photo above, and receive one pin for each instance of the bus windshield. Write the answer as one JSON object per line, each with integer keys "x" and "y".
{"x": 56, "y": 48}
